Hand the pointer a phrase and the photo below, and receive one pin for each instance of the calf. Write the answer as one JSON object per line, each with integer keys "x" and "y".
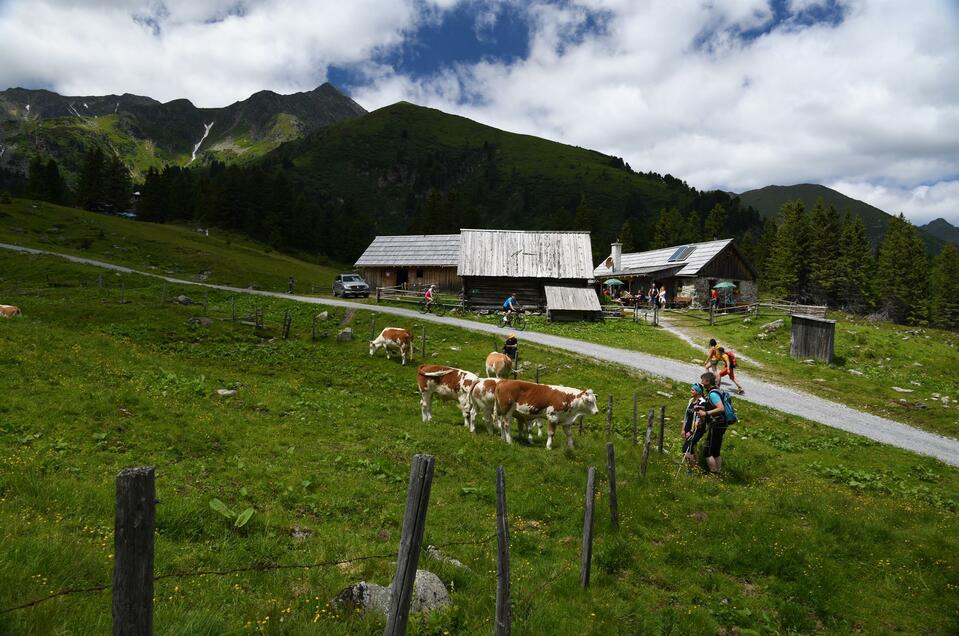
{"x": 394, "y": 338}
{"x": 527, "y": 401}
{"x": 446, "y": 383}
{"x": 9, "y": 311}
{"x": 498, "y": 365}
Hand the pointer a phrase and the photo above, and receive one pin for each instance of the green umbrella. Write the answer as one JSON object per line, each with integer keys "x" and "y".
{"x": 613, "y": 281}
{"x": 725, "y": 285}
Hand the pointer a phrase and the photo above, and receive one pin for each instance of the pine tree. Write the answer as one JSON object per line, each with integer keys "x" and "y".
{"x": 715, "y": 225}
{"x": 669, "y": 229}
{"x": 825, "y": 234}
{"x": 855, "y": 267}
{"x": 944, "y": 288}
{"x": 627, "y": 237}
{"x": 787, "y": 265}
{"x": 90, "y": 188}
{"x": 902, "y": 272}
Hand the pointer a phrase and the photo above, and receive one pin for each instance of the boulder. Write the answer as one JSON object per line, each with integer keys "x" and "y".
{"x": 429, "y": 594}
{"x": 770, "y": 327}
{"x": 323, "y": 315}
{"x": 203, "y": 321}
{"x": 183, "y": 300}
{"x": 226, "y": 392}
{"x": 899, "y": 389}
{"x": 345, "y": 335}
{"x": 856, "y": 372}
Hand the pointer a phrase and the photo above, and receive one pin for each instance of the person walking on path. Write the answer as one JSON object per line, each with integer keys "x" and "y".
{"x": 729, "y": 368}
{"x": 713, "y": 358}
{"x": 714, "y": 412}
{"x": 290, "y": 285}
{"x": 693, "y": 427}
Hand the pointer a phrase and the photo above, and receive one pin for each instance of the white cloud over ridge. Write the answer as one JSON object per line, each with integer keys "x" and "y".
{"x": 868, "y": 106}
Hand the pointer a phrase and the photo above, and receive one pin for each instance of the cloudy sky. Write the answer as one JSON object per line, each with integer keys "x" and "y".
{"x": 859, "y": 95}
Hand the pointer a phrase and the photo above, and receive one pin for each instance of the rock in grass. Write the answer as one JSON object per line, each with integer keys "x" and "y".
{"x": 899, "y": 389}
{"x": 203, "y": 321}
{"x": 345, "y": 335}
{"x": 429, "y": 594}
{"x": 770, "y": 327}
{"x": 434, "y": 553}
{"x": 226, "y": 392}
{"x": 323, "y": 315}
{"x": 856, "y": 372}
{"x": 184, "y": 300}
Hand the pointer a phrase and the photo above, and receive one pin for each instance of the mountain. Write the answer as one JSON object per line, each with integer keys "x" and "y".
{"x": 146, "y": 133}
{"x": 768, "y": 202}
{"x": 942, "y": 229}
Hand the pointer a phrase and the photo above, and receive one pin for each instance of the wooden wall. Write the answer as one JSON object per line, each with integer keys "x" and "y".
{"x": 488, "y": 292}
{"x": 727, "y": 265}
{"x": 812, "y": 338}
{"x": 444, "y": 277}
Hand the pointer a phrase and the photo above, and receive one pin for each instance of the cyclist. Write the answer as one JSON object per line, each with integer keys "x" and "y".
{"x": 428, "y": 297}
{"x": 510, "y": 306}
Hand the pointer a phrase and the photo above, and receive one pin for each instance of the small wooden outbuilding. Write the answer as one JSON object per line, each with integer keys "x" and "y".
{"x": 813, "y": 338}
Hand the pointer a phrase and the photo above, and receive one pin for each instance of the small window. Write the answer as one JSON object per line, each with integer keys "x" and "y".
{"x": 419, "y": 272}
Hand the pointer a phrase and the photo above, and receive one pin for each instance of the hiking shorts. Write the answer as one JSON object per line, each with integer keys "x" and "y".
{"x": 714, "y": 440}
{"x": 731, "y": 372}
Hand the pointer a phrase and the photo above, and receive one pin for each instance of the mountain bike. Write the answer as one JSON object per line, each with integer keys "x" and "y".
{"x": 432, "y": 307}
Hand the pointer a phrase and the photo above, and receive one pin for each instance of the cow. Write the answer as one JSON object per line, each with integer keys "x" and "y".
{"x": 498, "y": 365}
{"x": 9, "y": 311}
{"x": 394, "y": 338}
{"x": 483, "y": 403}
{"x": 447, "y": 383}
{"x": 526, "y": 401}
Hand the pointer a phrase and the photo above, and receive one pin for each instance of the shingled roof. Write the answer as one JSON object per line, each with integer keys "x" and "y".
{"x": 525, "y": 254}
{"x": 439, "y": 250}
{"x": 697, "y": 256}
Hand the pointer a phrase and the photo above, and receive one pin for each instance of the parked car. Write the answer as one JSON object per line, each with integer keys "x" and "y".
{"x": 350, "y": 285}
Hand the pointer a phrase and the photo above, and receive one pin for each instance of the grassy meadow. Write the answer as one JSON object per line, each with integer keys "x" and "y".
{"x": 173, "y": 250}
{"x": 811, "y": 530}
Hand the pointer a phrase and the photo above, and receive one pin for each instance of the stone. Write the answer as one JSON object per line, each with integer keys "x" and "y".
{"x": 226, "y": 392}
{"x": 184, "y": 300}
{"x": 456, "y": 348}
{"x": 809, "y": 361}
{"x": 429, "y": 594}
{"x": 921, "y": 405}
{"x": 856, "y": 372}
{"x": 434, "y": 553}
{"x": 345, "y": 335}
{"x": 770, "y": 327}
{"x": 664, "y": 394}
{"x": 323, "y": 315}
{"x": 434, "y": 354}
{"x": 899, "y": 389}
{"x": 203, "y": 321}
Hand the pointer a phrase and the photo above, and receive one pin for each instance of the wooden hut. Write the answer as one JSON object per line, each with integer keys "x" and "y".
{"x": 413, "y": 262}
{"x": 495, "y": 263}
{"x": 689, "y": 272}
{"x": 812, "y": 338}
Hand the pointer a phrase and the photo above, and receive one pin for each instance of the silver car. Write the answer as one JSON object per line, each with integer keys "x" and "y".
{"x": 350, "y": 285}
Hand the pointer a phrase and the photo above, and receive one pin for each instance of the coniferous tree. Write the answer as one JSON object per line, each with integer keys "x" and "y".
{"x": 944, "y": 288}
{"x": 715, "y": 225}
{"x": 902, "y": 269}
{"x": 669, "y": 229}
{"x": 627, "y": 237}
{"x": 90, "y": 188}
{"x": 691, "y": 230}
{"x": 786, "y": 270}
{"x": 825, "y": 234}
{"x": 855, "y": 267}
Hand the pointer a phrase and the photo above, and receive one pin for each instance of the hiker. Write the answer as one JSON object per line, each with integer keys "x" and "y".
{"x": 693, "y": 427}
{"x": 652, "y": 294}
{"x": 662, "y": 297}
{"x": 290, "y": 284}
{"x": 713, "y": 359}
{"x": 729, "y": 368}
{"x": 719, "y": 414}
{"x": 714, "y": 299}
{"x": 510, "y": 347}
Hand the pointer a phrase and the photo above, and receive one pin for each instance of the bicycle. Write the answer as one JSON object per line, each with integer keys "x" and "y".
{"x": 516, "y": 320}
{"x": 432, "y": 307}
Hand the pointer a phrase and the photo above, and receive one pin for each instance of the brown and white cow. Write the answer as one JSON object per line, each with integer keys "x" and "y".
{"x": 483, "y": 403}
{"x": 9, "y": 311}
{"x": 447, "y": 383}
{"x": 498, "y": 365}
{"x": 559, "y": 405}
{"x": 394, "y": 338}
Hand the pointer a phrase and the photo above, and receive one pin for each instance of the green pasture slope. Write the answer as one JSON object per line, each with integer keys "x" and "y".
{"x": 174, "y": 250}
{"x": 810, "y": 531}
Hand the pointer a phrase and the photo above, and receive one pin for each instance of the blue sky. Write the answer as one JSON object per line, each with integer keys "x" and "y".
{"x": 731, "y": 94}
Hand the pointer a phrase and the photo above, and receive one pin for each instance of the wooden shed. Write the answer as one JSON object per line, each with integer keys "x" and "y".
{"x": 572, "y": 303}
{"x": 495, "y": 263}
{"x": 413, "y": 262}
{"x": 813, "y": 338}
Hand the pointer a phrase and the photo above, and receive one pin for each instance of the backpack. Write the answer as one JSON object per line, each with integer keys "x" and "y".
{"x": 728, "y": 411}
{"x": 732, "y": 360}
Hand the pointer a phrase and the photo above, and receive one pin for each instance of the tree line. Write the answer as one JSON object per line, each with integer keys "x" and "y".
{"x": 823, "y": 257}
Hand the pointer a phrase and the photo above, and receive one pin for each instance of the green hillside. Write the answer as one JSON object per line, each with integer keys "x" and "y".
{"x": 811, "y": 530}
{"x": 176, "y": 250}
{"x": 942, "y": 229}
{"x": 769, "y": 201}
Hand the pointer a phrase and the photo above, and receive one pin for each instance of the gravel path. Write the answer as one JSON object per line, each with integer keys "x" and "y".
{"x": 758, "y": 392}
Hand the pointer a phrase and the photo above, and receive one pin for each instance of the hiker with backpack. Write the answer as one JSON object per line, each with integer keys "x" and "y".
{"x": 693, "y": 425}
{"x": 729, "y": 368}
{"x": 713, "y": 358}
{"x": 719, "y": 414}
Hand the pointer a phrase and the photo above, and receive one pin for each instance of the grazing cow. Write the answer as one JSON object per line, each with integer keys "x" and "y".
{"x": 446, "y": 383}
{"x": 394, "y": 338}
{"x": 9, "y": 311}
{"x": 527, "y": 401}
{"x": 483, "y": 403}
{"x": 498, "y": 365}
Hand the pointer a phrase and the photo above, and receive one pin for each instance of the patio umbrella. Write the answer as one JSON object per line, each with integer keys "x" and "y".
{"x": 724, "y": 285}
{"x": 613, "y": 281}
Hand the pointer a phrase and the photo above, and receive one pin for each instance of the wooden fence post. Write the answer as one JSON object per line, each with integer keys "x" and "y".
{"x": 537, "y": 374}
{"x": 287, "y": 323}
{"x": 123, "y": 292}
{"x": 133, "y": 552}
{"x": 372, "y": 328}
{"x": 100, "y": 281}
{"x": 649, "y": 434}
{"x": 233, "y": 307}
{"x": 662, "y": 426}
{"x": 423, "y": 347}
{"x": 411, "y": 539}
{"x": 163, "y": 294}
{"x": 504, "y": 617}
{"x": 587, "y": 554}
{"x": 206, "y": 302}
{"x": 712, "y": 314}
{"x": 609, "y": 416}
{"x": 378, "y": 295}
{"x": 635, "y": 418}
{"x": 611, "y": 476}
{"x": 313, "y": 329}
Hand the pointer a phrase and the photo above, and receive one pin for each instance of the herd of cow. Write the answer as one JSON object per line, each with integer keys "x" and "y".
{"x": 496, "y": 399}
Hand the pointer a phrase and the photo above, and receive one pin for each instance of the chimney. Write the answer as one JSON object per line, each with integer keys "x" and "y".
{"x": 617, "y": 256}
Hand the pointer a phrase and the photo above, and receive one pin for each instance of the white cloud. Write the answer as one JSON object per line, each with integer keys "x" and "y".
{"x": 921, "y": 204}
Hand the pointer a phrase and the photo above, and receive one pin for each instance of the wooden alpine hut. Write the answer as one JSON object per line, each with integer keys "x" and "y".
{"x": 412, "y": 262}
